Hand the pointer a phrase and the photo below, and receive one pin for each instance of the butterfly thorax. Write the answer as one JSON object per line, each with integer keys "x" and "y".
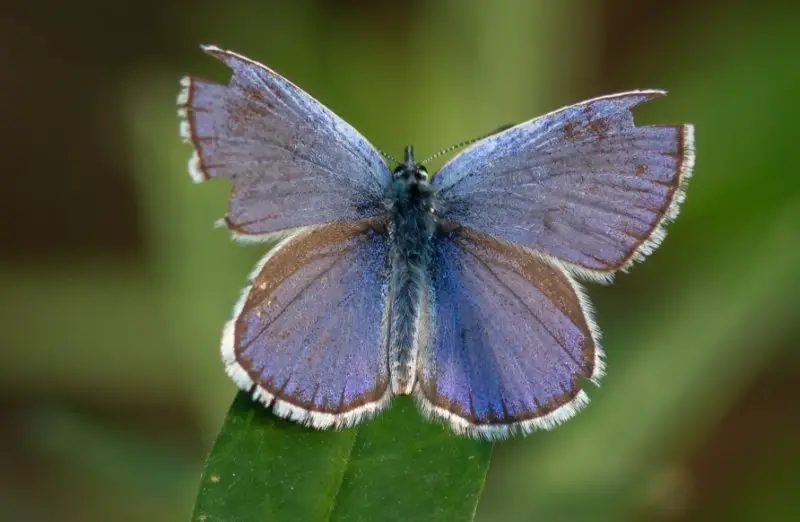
{"x": 411, "y": 232}
{"x": 410, "y": 199}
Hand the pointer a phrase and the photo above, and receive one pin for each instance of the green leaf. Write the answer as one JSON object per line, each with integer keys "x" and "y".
{"x": 395, "y": 467}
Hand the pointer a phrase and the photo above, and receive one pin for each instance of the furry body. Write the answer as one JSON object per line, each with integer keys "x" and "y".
{"x": 411, "y": 232}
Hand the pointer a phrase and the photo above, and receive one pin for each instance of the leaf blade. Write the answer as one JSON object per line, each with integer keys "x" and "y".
{"x": 393, "y": 468}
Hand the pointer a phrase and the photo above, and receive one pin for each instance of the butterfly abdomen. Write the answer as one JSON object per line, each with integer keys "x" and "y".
{"x": 411, "y": 234}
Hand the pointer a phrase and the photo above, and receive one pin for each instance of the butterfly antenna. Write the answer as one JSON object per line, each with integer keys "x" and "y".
{"x": 388, "y": 156}
{"x": 464, "y": 144}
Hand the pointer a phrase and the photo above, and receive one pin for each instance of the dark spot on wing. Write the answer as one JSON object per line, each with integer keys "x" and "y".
{"x": 586, "y": 127}
{"x": 255, "y": 95}
{"x": 258, "y": 103}
{"x": 571, "y": 130}
{"x": 598, "y": 128}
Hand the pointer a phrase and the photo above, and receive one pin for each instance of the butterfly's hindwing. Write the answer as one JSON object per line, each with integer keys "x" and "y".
{"x": 511, "y": 337}
{"x": 310, "y": 332}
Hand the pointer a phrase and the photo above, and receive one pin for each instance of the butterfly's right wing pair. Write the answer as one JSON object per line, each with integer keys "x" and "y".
{"x": 581, "y": 191}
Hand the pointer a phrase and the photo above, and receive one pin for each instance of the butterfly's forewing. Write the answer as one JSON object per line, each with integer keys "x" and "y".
{"x": 511, "y": 335}
{"x": 582, "y": 184}
{"x": 293, "y": 163}
{"x": 310, "y": 332}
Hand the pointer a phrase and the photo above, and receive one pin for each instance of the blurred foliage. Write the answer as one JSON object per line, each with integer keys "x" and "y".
{"x": 113, "y": 388}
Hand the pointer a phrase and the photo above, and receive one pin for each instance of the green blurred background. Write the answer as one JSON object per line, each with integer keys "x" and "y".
{"x": 115, "y": 286}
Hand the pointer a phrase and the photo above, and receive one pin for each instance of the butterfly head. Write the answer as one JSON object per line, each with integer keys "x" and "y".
{"x": 409, "y": 170}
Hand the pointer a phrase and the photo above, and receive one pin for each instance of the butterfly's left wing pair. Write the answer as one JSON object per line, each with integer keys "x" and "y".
{"x": 509, "y": 332}
{"x": 308, "y": 336}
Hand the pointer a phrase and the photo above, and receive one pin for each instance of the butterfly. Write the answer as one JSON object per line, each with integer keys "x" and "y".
{"x": 459, "y": 289}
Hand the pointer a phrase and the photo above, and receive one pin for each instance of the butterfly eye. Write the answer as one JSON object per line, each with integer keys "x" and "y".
{"x": 422, "y": 174}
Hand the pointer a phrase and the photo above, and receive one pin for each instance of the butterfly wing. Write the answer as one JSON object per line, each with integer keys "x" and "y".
{"x": 293, "y": 162}
{"x": 510, "y": 336}
{"x": 582, "y": 184}
{"x": 309, "y": 335}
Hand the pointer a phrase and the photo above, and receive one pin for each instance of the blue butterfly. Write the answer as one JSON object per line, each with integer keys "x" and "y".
{"x": 458, "y": 289}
